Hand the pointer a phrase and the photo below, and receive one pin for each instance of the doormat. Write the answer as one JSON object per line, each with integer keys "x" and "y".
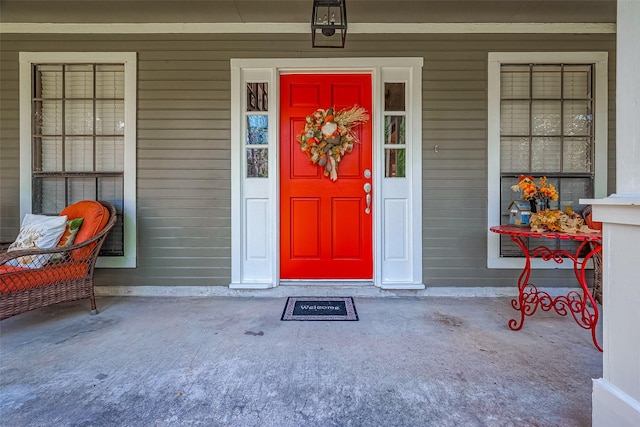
{"x": 319, "y": 308}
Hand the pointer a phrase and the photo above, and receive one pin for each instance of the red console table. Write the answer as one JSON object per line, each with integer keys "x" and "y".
{"x": 582, "y": 306}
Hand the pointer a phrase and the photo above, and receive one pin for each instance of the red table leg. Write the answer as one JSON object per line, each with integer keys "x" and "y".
{"x": 582, "y": 307}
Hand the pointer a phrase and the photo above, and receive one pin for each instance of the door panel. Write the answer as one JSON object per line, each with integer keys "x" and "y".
{"x": 299, "y": 162}
{"x": 325, "y": 232}
{"x": 346, "y": 241}
{"x": 305, "y": 228}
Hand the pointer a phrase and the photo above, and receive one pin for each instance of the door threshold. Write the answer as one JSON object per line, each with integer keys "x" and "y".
{"x": 328, "y": 283}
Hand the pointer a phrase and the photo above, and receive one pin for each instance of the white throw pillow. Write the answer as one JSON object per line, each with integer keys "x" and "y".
{"x": 37, "y": 231}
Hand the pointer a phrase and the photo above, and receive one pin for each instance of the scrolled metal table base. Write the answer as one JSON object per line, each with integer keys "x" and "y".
{"x": 581, "y": 306}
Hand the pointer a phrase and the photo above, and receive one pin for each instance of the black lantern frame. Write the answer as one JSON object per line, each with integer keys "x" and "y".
{"x": 329, "y": 23}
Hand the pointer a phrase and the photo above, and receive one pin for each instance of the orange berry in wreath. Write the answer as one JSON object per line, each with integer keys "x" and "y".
{"x": 329, "y": 116}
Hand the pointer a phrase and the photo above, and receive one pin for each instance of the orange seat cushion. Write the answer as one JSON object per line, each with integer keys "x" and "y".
{"x": 14, "y": 279}
{"x": 95, "y": 218}
{"x": 594, "y": 225}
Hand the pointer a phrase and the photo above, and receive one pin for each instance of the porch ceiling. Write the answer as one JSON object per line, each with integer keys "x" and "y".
{"x": 362, "y": 11}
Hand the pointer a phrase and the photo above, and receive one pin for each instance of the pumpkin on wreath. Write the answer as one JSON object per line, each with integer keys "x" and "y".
{"x": 328, "y": 136}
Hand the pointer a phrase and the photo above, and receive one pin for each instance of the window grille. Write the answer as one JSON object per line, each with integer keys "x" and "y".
{"x": 78, "y": 139}
{"x": 546, "y": 129}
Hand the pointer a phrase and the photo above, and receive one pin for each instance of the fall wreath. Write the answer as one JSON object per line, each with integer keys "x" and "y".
{"x": 328, "y": 136}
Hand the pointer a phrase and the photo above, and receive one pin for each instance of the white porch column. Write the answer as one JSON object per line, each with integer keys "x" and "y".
{"x": 616, "y": 396}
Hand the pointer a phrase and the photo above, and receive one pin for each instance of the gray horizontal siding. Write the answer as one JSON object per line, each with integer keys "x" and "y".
{"x": 9, "y": 148}
{"x": 183, "y": 144}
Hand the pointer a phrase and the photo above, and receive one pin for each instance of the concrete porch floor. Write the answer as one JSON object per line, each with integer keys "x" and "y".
{"x": 225, "y": 361}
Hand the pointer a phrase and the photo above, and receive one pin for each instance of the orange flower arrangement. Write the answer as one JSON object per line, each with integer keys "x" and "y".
{"x": 530, "y": 191}
{"x": 547, "y": 219}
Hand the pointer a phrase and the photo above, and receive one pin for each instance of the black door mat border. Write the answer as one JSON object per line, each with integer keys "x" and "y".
{"x": 309, "y": 308}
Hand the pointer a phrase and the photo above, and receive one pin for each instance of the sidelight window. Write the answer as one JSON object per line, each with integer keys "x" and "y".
{"x": 257, "y": 130}
{"x": 395, "y": 119}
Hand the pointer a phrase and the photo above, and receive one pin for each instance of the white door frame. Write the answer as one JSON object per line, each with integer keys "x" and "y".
{"x": 397, "y": 202}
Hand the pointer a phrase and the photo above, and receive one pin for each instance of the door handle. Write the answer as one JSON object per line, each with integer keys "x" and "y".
{"x": 367, "y": 190}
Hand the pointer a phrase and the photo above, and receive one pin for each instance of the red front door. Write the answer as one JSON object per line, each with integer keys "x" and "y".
{"x": 325, "y": 228}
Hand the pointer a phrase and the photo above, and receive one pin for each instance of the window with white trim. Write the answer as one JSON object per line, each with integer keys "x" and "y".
{"x": 79, "y": 112}
{"x": 395, "y": 118}
{"x": 544, "y": 118}
{"x": 257, "y": 136}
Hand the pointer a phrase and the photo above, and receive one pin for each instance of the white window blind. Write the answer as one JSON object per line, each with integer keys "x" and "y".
{"x": 78, "y": 132}
{"x": 546, "y": 129}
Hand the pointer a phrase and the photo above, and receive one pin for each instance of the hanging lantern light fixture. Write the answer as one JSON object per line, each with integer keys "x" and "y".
{"x": 328, "y": 23}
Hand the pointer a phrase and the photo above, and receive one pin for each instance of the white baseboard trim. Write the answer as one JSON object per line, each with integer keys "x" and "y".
{"x": 401, "y": 285}
{"x": 250, "y": 286}
{"x": 333, "y": 283}
{"x": 612, "y": 406}
{"x": 314, "y": 290}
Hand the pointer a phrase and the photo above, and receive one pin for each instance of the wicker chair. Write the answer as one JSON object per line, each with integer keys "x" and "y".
{"x": 597, "y": 258}
{"x": 67, "y": 273}
{"x": 597, "y": 277}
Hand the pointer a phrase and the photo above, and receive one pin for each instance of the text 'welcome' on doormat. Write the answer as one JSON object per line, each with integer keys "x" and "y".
{"x": 319, "y": 308}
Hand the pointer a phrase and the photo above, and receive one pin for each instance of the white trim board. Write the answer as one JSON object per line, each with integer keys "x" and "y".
{"x": 301, "y": 28}
{"x": 612, "y": 406}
